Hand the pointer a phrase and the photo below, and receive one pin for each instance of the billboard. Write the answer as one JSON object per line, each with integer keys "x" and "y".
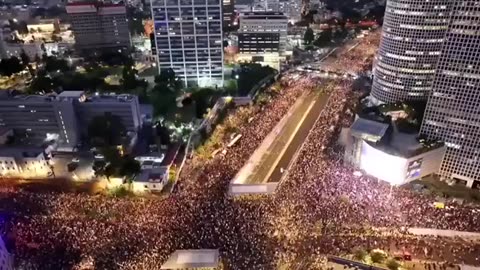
{"x": 414, "y": 168}
{"x": 382, "y": 165}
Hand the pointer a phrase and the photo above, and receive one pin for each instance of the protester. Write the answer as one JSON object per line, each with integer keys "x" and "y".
{"x": 320, "y": 208}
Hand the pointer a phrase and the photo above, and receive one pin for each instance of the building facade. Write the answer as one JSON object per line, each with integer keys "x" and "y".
{"x": 412, "y": 39}
{"x": 189, "y": 39}
{"x": 64, "y": 117}
{"x": 98, "y": 26}
{"x": 262, "y": 38}
{"x": 124, "y": 106}
{"x": 40, "y": 118}
{"x": 453, "y": 108}
{"x": 228, "y": 12}
{"x": 25, "y": 161}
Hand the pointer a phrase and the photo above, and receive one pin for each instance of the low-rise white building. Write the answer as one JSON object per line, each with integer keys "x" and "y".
{"x": 24, "y": 162}
{"x": 149, "y": 180}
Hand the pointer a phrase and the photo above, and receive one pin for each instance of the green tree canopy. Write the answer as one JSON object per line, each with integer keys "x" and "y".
{"x": 163, "y": 99}
{"x": 249, "y": 75}
{"x": 309, "y": 36}
{"x": 324, "y": 38}
{"x": 42, "y": 83}
{"x": 53, "y": 64}
{"x": 25, "y": 58}
{"x": 167, "y": 77}
{"x": 114, "y": 165}
{"x": 10, "y": 66}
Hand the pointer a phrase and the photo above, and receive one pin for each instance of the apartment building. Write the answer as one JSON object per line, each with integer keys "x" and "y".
{"x": 189, "y": 39}
{"x": 64, "y": 117}
{"x": 99, "y": 26}
{"x": 453, "y": 107}
{"x": 262, "y": 38}
{"x": 412, "y": 37}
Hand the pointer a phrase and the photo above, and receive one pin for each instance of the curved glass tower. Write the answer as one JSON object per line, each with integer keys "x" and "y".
{"x": 412, "y": 38}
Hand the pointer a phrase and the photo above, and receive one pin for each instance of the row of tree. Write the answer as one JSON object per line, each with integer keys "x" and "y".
{"x": 106, "y": 133}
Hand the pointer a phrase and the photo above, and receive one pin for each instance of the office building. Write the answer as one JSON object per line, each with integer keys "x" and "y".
{"x": 40, "y": 118}
{"x": 292, "y": 9}
{"x": 266, "y": 5}
{"x": 228, "y": 12}
{"x": 412, "y": 39}
{"x": 189, "y": 39}
{"x": 98, "y": 26}
{"x": 262, "y": 38}
{"x": 64, "y": 117}
{"x": 384, "y": 152}
{"x": 124, "y": 106}
{"x": 453, "y": 108}
{"x": 29, "y": 161}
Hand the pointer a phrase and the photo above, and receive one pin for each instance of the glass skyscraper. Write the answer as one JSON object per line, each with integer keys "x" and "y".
{"x": 412, "y": 37}
{"x": 453, "y": 108}
{"x": 188, "y": 37}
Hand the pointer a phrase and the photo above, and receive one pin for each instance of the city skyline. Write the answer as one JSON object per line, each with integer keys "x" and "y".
{"x": 128, "y": 140}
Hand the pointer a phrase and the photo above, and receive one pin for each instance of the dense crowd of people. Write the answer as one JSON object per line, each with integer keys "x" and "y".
{"x": 322, "y": 207}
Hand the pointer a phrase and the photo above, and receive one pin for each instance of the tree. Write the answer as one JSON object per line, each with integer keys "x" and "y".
{"x": 360, "y": 254}
{"x": 377, "y": 256}
{"x": 10, "y": 66}
{"x": 53, "y": 64}
{"x": 393, "y": 264}
{"x": 324, "y": 38}
{"x": 203, "y": 100}
{"x": 163, "y": 99}
{"x": 167, "y": 77}
{"x": 25, "y": 58}
{"x": 249, "y": 75}
{"x": 129, "y": 168}
{"x": 41, "y": 83}
{"x": 117, "y": 166}
{"x": 309, "y": 36}
{"x": 129, "y": 77}
{"x": 106, "y": 130}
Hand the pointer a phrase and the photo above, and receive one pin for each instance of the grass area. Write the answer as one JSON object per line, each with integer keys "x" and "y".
{"x": 435, "y": 186}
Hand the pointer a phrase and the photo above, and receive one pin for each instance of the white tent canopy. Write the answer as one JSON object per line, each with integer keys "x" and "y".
{"x": 192, "y": 258}
{"x": 245, "y": 189}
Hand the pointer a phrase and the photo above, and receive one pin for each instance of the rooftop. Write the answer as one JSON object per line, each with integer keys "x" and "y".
{"x": 192, "y": 258}
{"x": 109, "y": 97}
{"x": 245, "y": 189}
{"x": 368, "y": 129}
{"x": 155, "y": 175}
{"x": 397, "y": 143}
{"x": 71, "y": 94}
{"x": 21, "y": 151}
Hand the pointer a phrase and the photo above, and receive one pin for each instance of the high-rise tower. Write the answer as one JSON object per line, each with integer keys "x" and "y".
{"x": 412, "y": 38}
{"x": 188, "y": 37}
{"x": 453, "y": 108}
{"x": 99, "y": 26}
